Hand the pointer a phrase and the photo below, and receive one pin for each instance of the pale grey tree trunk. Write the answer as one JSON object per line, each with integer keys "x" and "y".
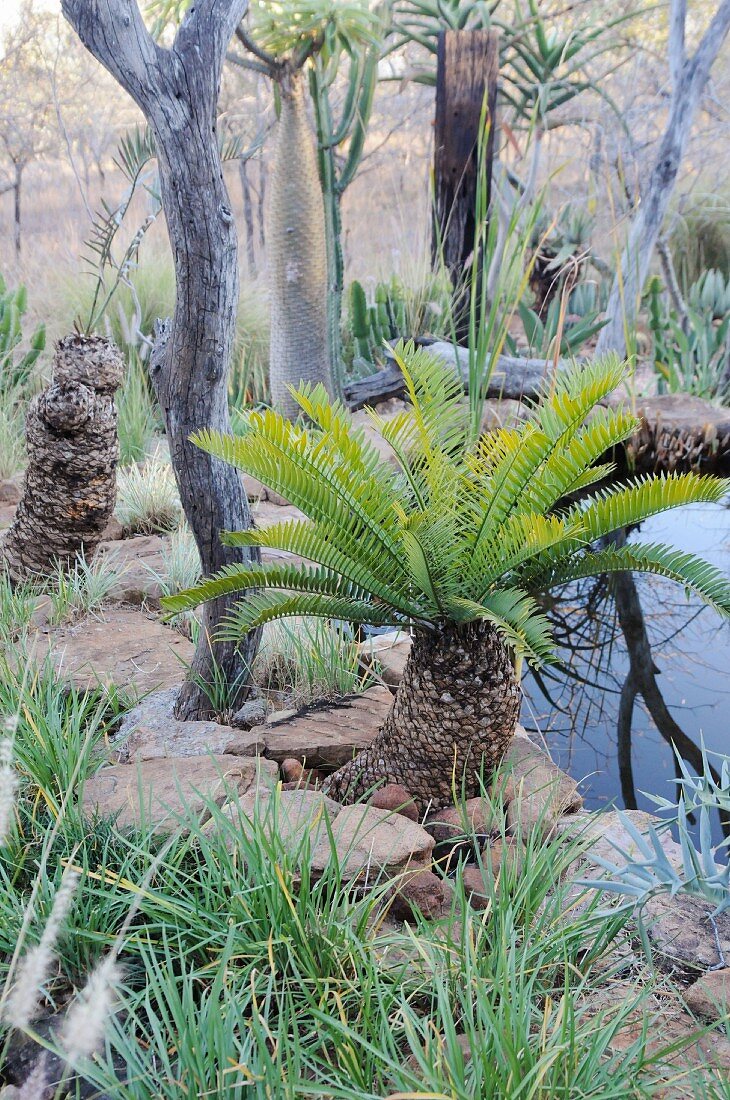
{"x": 689, "y": 78}
{"x": 297, "y": 251}
{"x": 177, "y": 91}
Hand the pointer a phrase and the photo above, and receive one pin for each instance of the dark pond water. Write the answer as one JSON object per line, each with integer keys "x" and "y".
{"x": 576, "y": 708}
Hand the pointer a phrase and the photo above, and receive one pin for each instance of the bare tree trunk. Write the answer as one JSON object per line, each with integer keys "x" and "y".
{"x": 297, "y": 250}
{"x": 468, "y": 67}
{"x": 17, "y": 185}
{"x": 248, "y": 217}
{"x": 177, "y": 91}
{"x": 689, "y": 77}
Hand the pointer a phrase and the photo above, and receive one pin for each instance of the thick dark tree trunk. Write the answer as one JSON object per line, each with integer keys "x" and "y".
{"x": 468, "y": 66}
{"x": 452, "y": 720}
{"x": 70, "y": 484}
{"x": 177, "y": 90}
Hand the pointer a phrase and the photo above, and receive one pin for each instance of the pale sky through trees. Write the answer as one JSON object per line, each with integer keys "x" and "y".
{"x": 9, "y": 10}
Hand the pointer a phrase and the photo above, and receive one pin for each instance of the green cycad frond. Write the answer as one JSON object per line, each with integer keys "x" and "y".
{"x": 523, "y": 536}
{"x": 437, "y": 419}
{"x": 516, "y": 616}
{"x": 260, "y": 608}
{"x": 432, "y": 551}
{"x": 626, "y": 505}
{"x": 455, "y": 534}
{"x": 311, "y": 540}
{"x": 429, "y": 437}
{"x": 695, "y": 574}
{"x": 339, "y": 435}
{"x": 296, "y": 464}
{"x": 541, "y": 445}
{"x": 571, "y": 466}
{"x": 574, "y": 392}
{"x": 313, "y": 580}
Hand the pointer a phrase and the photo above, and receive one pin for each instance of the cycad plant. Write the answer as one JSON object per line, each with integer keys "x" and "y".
{"x": 449, "y": 540}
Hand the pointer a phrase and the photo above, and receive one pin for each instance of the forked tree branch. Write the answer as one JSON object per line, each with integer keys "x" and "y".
{"x": 115, "y": 33}
{"x": 689, "y": 78}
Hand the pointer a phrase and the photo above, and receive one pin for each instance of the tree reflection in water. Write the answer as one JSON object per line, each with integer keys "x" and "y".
{"x": 603, "y": 712}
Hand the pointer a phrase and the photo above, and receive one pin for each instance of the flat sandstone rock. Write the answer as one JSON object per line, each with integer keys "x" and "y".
{"x": 329, "y": 736}
{"x": 121, "y": 647}
{"x": 369, "y": 842}
{"x": 150, "y": 730}
{"x": 285, "y": 817}
{"x": 159, "y": 791}
{"x": 536, "y": 792}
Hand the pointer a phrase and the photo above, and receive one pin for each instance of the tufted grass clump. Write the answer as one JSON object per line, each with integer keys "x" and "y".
{"x": 147, "y": 498}
{"x": 308, "y": 660}
{"x": 138, "y": 420}
{"x": 210, "y": 961}
{"x": 82, "y": 589}
{"x": 12, "y": 434}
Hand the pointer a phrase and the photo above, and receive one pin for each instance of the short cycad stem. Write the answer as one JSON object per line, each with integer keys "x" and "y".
{"x": 451, "y": 722}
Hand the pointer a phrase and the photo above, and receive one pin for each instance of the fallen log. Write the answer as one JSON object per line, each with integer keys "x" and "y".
{"x": 512, "y": 377}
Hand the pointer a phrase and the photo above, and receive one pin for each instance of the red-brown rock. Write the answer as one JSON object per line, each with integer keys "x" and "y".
{"x": 457, "y": 823}
{"x": 422, "y": 892}
{"x": 475, "y": 887}
{"x": 395, "y": 797}
{"x": 709, "y": 996}
{"x": 292, "y": 770}
{"x": 498, "y": 850}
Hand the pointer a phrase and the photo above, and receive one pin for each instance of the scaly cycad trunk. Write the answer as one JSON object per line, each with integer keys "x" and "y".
{"x": 452, "y": 719}
{"x": 298, "y": 255}
{"x": 70, "y": 485}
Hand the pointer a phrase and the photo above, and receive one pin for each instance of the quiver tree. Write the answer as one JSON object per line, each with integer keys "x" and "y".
{"x": 284, "y": 42}
{"x": 177, "y": 91}
{"x": 449, "y": 543}
{"x": 69, "y": 491}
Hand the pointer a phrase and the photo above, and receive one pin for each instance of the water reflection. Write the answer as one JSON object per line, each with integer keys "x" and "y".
{"x": 643, "y": 667}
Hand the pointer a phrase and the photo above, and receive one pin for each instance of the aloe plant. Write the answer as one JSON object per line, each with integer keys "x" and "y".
{"x": 15, "y": 368}
{"x": 702, "y": 873}
{"x": 691, "y": 354}
{"x": 450, "y": 542}
{"x": 541, "y": 335}
{"x": 711, "y": 294}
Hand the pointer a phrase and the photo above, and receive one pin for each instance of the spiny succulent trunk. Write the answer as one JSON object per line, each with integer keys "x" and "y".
{"x": 297, "y": 248}
{"x": 451, "y": 721}
{"x": 69, "y": 491}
